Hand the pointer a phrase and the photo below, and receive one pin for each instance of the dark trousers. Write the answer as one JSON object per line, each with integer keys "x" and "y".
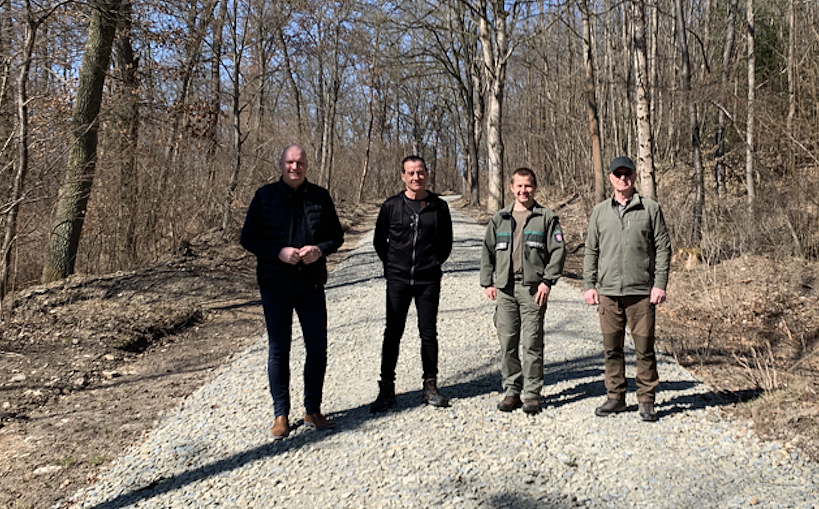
{"x": 311, "y": 308}
{"x": 638, "y": 312}
{"x": 399, "y": 297}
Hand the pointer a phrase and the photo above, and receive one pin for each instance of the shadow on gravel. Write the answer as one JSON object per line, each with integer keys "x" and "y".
{"x": 517, "y": 501}
{"x": 300, "y": 436}
{"x": 591, "y": 367}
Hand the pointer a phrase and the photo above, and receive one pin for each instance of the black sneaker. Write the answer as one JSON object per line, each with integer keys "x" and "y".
{"x": 647, "y": 412}
{"x": 385, "y": 399}
{"x": 431, "y": 395}
{"x": 611, "y": 406}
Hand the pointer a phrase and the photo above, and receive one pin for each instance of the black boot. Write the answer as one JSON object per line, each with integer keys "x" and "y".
{"x": 431, "y": 394}
{"x": 385, "y": 399}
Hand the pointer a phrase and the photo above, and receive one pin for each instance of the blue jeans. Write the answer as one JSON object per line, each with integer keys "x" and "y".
{"x": 311, "y": 308}
{"x": 399, "y": 297}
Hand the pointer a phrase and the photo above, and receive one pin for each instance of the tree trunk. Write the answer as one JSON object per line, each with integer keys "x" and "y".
{"x": 591, "y": 105}
{"x": 128, "y": 132}
{"x": 294, "y": 88}
{"x": 791, "y": 82}
{"x": 72, "y": 199}
{"x": 685, "y": 75}
{"x": 719, "y": 167}
{"x": 215, "y": 106}
{"x": 749, "y": 129}
{"x": 238, "y": 135}
{"x": 495, "y": 43}
{"x": 10, "y": 234}
{"x": 645, "y": 149}
{"x": 370, "y": 124}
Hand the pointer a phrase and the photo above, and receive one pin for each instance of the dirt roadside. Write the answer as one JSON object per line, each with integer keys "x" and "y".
{"x": 88, "y": 365}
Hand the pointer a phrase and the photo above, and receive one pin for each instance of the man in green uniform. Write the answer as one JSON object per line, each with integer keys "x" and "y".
{"x": 522, "y": 258}
{"x": 625, "y": 272}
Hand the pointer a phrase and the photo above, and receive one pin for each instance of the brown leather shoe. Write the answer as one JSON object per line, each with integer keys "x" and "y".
{"x": 509, "y": 403}
{"x": 318, "y": 421}
{"x": 611, "y": 406}
{"x": 531, "y": 405}
{"x": 281, "y": 429}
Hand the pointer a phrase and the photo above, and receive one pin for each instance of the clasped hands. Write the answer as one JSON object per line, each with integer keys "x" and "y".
{"x": 294, "y": 255}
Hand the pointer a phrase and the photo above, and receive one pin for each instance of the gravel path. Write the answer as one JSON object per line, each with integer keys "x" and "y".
{"x": 215, "y": 449}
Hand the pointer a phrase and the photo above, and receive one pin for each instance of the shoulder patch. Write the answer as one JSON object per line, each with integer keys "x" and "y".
{"x": 558, "y": 235}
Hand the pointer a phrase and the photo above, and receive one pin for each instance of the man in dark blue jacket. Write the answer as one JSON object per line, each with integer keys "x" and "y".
{"x": 413, "y": 238}
{"x": 291, "y": 227}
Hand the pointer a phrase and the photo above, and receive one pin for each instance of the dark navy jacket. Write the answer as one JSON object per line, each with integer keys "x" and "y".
{"x": 269, "y": 228}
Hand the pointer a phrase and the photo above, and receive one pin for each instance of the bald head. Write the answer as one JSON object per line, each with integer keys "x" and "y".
{"x": 293, "y": 165}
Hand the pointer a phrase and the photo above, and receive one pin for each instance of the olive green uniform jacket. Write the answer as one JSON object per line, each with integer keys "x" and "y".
{"x": 628, "y": 255}
{"x": 543, "y": 249}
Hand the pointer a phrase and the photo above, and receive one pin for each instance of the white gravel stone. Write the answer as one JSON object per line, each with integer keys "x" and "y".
{"x": 215, "y": 448}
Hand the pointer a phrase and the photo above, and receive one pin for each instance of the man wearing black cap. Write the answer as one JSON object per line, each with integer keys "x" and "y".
{"x": 625, "y": 272}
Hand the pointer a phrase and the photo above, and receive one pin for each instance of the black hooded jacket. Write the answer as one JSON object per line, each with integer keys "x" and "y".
{"x": 413, "y": 249}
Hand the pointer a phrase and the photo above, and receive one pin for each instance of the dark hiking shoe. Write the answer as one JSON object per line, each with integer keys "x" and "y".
{"x": 385, "y": 399}
{"x": 431, "y": 395}
{"x": 647, "y": 412}
{"x": 611, "y": 406}
{"x": 531, "y": 406}
{"x": 509, "y": 403}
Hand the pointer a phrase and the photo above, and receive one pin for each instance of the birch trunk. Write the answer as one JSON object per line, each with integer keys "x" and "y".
{"x": 645, "y": 154}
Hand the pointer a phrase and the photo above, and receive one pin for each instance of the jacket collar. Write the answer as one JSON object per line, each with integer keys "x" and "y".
{"x": 537, "y": 208}
{"x": 634, "y": 202}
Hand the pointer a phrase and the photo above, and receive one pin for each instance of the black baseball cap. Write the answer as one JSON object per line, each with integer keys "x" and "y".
{"x": 622, "y": 162}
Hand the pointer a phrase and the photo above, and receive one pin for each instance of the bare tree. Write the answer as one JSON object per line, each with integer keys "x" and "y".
{"x": 591, "y": 105}
{"x": 645, "y": 142}
{"x": 750, "y": 185}
{"x": 496, "y": 23}
{"x": 72, "y": 199}
{"x": 685, "y": 77}
{"x": 728, "y": 50}
{"x": 32, "y": 22}
{"x": 128, "y": 127}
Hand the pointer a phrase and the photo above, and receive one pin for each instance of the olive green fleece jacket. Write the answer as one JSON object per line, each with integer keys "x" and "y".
{"x": 543, "y": 249}
{"x": 628, "y": 255}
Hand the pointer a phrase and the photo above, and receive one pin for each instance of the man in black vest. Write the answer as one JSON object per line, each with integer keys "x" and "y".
{"x": 291, "y": 227}
{"x": 413, "y": 238}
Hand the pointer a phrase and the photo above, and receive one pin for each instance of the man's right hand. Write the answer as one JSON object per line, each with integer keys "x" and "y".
{"x": 289, "y": 255}
{"x": 591, "y": 297}
{"x": 491, "y": 292}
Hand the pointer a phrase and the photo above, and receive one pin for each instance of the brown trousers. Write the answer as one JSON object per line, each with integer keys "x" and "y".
{"x": 638, "y": 312}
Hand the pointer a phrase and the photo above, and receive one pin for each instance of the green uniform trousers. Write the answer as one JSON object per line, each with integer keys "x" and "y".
{"x": 519, "y": 321}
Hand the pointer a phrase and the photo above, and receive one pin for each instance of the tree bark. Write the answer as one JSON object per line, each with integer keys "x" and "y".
{"x": 642, "y": 109}
{"x": 16, "y": 197}
{"x": 128, "y": 132}
{"x": 495, "y": 44}
{"x": 750, "y": 185}
{"x": 719, "y": 167}
{"x": 685, "y": 77}
{"x": 591, "y": 106}
{"x": 72, "y": 198}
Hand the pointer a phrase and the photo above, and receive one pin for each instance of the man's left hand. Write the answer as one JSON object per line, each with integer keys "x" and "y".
{"x": 309, "y": 254}
{"x": 542, "y": 294}
{"x": 657, "y": 296}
